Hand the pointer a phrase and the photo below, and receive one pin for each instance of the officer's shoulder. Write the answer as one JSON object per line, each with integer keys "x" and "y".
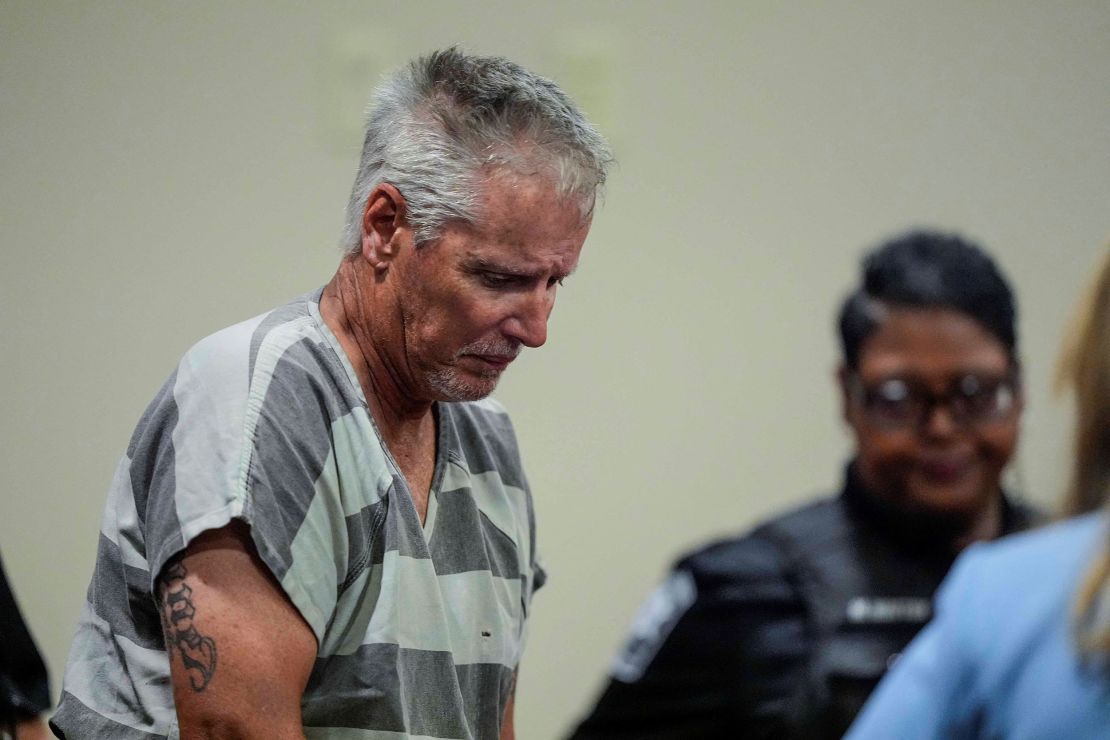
{"x": 760, "y": 552}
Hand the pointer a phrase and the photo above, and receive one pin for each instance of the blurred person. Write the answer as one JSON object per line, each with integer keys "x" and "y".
{"x": 24, "y": 687}
{"x": 321, "y": 526}
{"x": 784, "y": 632}
{"x": 1020, "y": 647}
{"x": 1084, "y": 370}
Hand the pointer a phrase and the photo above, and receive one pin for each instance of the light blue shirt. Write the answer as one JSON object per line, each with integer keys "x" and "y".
{"x": 1000, "y": 660}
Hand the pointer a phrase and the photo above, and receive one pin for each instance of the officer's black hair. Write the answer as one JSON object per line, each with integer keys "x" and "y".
{"x": 928, "y": 269}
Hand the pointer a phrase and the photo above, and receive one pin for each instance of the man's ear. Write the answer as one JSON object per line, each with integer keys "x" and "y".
{"x": 384, "y": 225}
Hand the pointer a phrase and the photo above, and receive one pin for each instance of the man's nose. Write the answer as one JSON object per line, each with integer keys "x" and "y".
{"x": 528, "y": 322}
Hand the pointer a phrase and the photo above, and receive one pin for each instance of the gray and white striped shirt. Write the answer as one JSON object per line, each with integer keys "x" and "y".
{"x": 419, "y": 626}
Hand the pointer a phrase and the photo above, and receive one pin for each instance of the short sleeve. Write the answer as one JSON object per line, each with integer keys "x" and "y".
{"x": 249, "y": 428}
{"x": 186, "y": 451}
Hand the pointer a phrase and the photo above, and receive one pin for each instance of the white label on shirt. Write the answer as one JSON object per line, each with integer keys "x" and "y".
{"x": 879, "y": 610}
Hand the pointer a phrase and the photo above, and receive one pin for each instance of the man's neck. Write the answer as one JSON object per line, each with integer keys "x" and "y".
{"x": 367, "y": 326}
{"x": 407, "y": 426}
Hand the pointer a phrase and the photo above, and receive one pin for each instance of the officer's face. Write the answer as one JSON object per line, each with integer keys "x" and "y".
{"x": 934, "y": 406}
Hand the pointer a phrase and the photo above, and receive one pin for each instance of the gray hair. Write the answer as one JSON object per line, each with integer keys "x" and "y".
{"x": 439, "y": 125}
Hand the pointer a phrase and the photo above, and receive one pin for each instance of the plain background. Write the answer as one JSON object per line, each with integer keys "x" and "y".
{"x": 172, "y": 168}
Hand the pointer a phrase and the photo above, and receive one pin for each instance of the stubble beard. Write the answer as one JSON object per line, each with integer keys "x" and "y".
{"x": 453, "y": 383}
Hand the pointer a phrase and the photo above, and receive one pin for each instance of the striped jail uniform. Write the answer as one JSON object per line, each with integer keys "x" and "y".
{"x": 419, "y": 627}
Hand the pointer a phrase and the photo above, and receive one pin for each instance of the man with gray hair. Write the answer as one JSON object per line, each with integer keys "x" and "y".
{"x": 320, "y": 528}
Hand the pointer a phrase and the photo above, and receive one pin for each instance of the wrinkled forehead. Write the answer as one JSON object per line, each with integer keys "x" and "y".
{"x": 507, "y": 192}
{"x": 552, "y": 175}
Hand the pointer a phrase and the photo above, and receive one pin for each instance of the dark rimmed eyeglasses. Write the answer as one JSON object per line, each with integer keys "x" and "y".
{"x": 901, "y": 403}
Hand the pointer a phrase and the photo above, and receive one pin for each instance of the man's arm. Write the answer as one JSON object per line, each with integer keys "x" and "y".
{"x": 240, "y": 652}
{"x": 508, "y": 732}
{"x": 31, "y": 729}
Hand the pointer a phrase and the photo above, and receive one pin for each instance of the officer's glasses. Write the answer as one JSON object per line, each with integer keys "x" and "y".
{"x": 902, "y": 403}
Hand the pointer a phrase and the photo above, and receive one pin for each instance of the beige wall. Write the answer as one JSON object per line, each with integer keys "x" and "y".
{"x": 171, "y": 168}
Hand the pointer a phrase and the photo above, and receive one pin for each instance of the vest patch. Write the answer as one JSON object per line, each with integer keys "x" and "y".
{"x": 653, "y": 623}
{"x": 888, "y": 610}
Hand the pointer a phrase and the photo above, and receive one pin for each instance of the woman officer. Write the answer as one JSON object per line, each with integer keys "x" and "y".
{"x": 1020, "y": 646}
{"x": 784, "y": 632}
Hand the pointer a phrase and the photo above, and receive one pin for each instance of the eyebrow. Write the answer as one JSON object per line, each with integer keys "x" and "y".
{"x": 476, "y": 263}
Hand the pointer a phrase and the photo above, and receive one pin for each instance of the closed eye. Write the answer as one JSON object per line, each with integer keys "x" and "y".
{"x": 502, "y": 280}
{"x": 498, "y": 277}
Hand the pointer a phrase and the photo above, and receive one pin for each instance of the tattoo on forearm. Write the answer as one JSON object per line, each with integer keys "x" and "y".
{"x": 198, "y": 652}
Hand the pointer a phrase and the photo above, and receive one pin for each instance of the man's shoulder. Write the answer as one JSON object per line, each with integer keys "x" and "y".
{"x": 283, "y": 359}
{"x": 277, "y": 366}
{"x": 240, "y": 344}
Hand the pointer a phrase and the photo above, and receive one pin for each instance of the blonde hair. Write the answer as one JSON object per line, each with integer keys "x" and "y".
{"x": 1084, "y": 368}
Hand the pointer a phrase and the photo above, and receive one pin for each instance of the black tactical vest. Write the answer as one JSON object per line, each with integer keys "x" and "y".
{"x": 867, "y": 583}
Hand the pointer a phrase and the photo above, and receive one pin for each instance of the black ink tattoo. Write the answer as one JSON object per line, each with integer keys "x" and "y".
{"x": 198, "y": 652}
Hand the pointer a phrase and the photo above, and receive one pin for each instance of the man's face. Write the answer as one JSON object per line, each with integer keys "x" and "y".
{"x": 472, "y": 299}
{"x": 947, "y": 456}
